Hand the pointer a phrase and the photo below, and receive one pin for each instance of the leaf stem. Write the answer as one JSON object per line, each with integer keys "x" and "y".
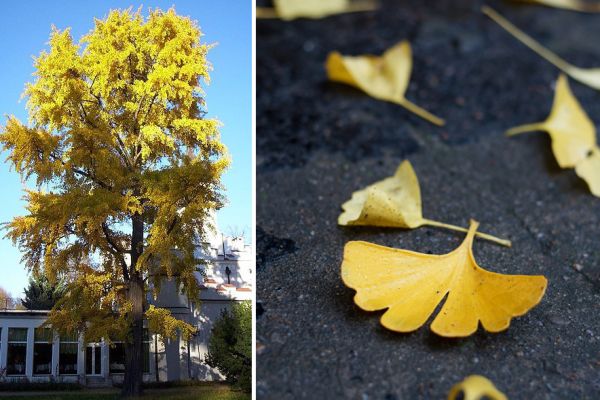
{"x": 482, "y": 235}
{"x": 426, "y": 115}
{"x": 527, "y": 40}
{"x": 537, "y": 126}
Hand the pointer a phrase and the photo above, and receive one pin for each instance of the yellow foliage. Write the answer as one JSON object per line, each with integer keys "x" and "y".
{"x": 383, "y": 77}
{"x": 573, "y": 135}
{"x": 394, "y": 202}
{"x": 292, "y": 9}
{"x": 117, "y": 135}
{"x": 410, "y": 285}
{"x": 476, "y": 387}
{"x": 162, "y": 322}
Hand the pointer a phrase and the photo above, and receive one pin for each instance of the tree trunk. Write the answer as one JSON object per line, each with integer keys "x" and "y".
{"x": 134, "y": 358}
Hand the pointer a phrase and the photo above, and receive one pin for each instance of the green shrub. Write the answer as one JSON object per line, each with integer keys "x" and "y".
{"x": 230, "y": 345}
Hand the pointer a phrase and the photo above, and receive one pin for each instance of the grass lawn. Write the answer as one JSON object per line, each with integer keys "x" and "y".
{"x": 209, "y": 392}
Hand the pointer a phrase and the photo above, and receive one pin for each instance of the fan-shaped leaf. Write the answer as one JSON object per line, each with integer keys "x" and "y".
{"x": 410, "y": 285}
{"x": 476, "y": 387}
{"x": 292, "y": 9}
{"x": 573, "y": 136}
{"x": 383, "y": 77}
{"x": 572, "y": 132}
{"x": 394, "y": 202}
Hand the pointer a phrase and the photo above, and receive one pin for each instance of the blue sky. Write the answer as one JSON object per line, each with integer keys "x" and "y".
{"x": 24, "y": 31}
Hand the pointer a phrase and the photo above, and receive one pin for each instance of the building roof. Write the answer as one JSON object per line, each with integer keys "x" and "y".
{"x": 21, "y": 313}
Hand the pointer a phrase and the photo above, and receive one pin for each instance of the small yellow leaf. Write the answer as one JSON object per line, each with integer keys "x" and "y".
{"x": 410, "y": 285}
{"x": 587, "y": 76}
{"x": 394, "y": 202}
{"x": 383, "y": 77}
{"x": 292, "y": 9}
{"x": 391, "y": 202}
{"x": 475, "y": 387}
{"x": 572, "y": 132}
{"x": 573, "y": 136}
{"x": 589, "y": 170}
{"x": 574, "y": 5}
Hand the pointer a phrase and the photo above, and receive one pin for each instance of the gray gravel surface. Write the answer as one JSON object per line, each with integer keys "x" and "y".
{"x": 318, "y": 142}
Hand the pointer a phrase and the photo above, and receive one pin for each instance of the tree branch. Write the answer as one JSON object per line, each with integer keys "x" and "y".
{"x": 116, "y": 250}
{"x": 81, "y": 172}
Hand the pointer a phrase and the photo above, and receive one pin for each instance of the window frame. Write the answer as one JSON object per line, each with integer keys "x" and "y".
{"x": 43, "y": 341}
{"x": 68, "y": 341}
{"x": 10, "y": 342}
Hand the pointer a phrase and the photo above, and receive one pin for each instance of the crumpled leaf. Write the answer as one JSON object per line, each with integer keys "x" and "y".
{"x": 291, "y": 9}
{"x": 410, "y": 285}
{"x": 383, "y": 77}
{"x": 394, "y": 202}
{"x": 475, "y": 387}
{"x": 573, "y": 135}
{"x": 587, "y": 76}
{"x": 574, "y": 5}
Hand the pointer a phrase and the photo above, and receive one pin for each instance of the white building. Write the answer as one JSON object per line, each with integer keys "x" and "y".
{"x": 28, "y": 352}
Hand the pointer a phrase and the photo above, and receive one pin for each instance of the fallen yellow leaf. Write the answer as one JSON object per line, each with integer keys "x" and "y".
{"x": 589, "y": 170}
{"x": 383, "y": 77}
{"x": 394, "y": 202}
{"x": 575, "y": 5}
{"x": 475, "y": 387}
{"x": 572, "y": 132}
{"x": 587, "y": 76}
{"x": 292, "y": 9}
{"x": 411, "y": 285}
{"x": 573, "y": 136}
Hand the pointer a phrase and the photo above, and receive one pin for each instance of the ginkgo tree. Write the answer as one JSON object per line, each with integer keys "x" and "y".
{"x": 127, "y": 168}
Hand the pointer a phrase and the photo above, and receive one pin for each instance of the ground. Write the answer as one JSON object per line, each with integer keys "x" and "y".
{"x": 317, "y": 142}
{"x": 207, "y": 392}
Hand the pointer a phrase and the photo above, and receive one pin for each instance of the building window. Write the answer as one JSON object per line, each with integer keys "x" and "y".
{"x": 93, "y": 359}
{"x": 16, "y": 351}
{"x": 42, "y": 351}
{"x": 116, "y": 355}
{"x": 67, "y": 358}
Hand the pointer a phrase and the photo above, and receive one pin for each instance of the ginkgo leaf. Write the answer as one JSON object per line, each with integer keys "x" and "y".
{"x": 394, "y": 202}
{"x": 476, "y": 387}
{"x": 573, "y": 136}
{"x": 575, "y": 5}
{"x": 572, "y": 132}
{"x": 383, "y": 77}
{"x": 587, "y": 76}
{"x": 589, "y": 170}
{"x": 292, "y": 9}
{"x": 410, "y": 285}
